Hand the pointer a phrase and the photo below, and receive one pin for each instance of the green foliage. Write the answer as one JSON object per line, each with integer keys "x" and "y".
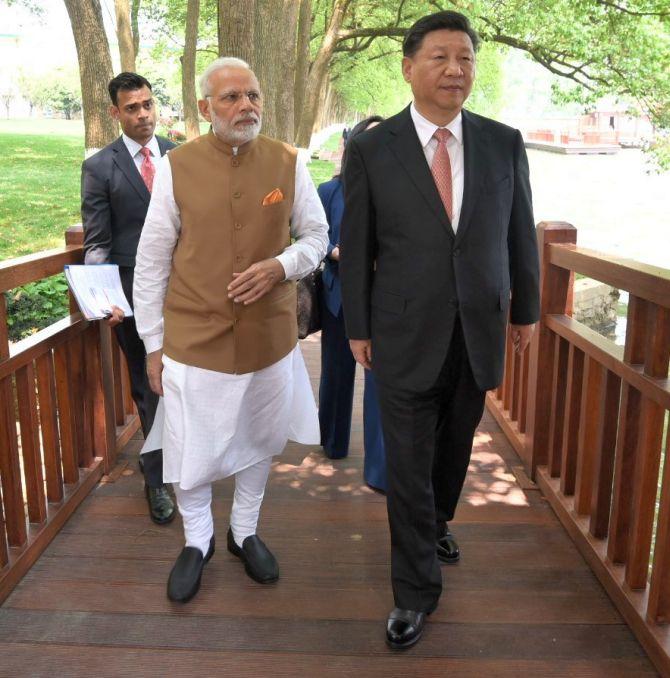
{"x": 321, "y": 170}
{"x": 370, "y": 82}
{"x": 487, "y": 97}
{"x": 36, "y": 306}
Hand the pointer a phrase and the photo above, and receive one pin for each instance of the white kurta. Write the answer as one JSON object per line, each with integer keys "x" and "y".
{"x": 210, "y": 424}
{"x": 213, "y": 425}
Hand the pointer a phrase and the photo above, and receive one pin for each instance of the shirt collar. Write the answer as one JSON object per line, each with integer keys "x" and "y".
{"x": 425, "y": 128}
{"x": 134, "y": 148}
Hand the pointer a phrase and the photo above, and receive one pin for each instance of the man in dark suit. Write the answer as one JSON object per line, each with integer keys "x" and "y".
{"x": 438, "y": 247}
{"x": 116, "y": 187}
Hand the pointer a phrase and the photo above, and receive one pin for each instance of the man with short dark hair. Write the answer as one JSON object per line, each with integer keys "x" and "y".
{"x": 116, "y": 186}
{"x": 438, "y": 246}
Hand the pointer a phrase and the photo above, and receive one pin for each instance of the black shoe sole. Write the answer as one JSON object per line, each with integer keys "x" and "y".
{"x": 237, "y": 552}
{"x": 451, "y": 561}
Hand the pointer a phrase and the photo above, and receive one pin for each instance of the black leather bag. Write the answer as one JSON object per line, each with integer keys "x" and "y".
{"x": 309, "y": 303}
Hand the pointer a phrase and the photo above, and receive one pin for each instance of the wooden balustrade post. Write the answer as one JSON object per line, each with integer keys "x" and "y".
{"x": 74, "y": 236}
{"x": 629, "y": 429}
{"x": 659, "y": 587}
{"x": 100, "y": 390}
{"x": 648, "y": 452}
{"x": 556, "y": 297}
{"x": 10, "y": 470}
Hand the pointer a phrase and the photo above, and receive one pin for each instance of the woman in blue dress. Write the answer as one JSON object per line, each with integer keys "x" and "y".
{"x": 338, "y": 367}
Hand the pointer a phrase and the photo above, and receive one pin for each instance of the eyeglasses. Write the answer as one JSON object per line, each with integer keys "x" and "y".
{"x": 231, "y": 98}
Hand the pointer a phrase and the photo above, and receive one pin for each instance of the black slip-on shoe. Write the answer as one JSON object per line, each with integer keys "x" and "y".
{"x": 184, "y": 580}
{"x": 259, "y": 563}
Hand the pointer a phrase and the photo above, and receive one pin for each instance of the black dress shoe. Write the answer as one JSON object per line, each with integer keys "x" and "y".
{"x": 161, "y": 507}
{"x": 184, "y": 580}
{"x": 259, "y": 563}
{"x": 447, "y": 547}
{"x": 404, "y": 628}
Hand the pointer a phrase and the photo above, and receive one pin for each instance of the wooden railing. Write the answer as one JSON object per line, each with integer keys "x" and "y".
{"x": 587, "y": 418}
{"x": 65, "y": 411}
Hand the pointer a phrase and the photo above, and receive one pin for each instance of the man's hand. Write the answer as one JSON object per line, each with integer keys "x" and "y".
{"x": 362, "y": 350}
{"x": 521, "y": 335}
{"x": 335, "y": 253}
{"x": 116, "y": 317}
{"x": 256, "y": 281}
{"x": 155, "y": 371}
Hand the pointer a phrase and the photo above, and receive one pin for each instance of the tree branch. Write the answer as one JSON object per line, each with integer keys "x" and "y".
{"x": 625, "y": 10}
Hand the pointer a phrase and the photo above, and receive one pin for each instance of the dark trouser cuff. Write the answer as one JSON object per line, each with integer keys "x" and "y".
{"x": 153, "y": 468}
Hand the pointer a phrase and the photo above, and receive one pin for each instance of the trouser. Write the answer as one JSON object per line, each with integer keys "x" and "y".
{"x": 195, "y": 506}
{"x": 145, "y": 399}
{"x": 428, "y": 438}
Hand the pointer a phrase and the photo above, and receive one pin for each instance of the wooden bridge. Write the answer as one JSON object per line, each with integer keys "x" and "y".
{"x": 555, "y": 576}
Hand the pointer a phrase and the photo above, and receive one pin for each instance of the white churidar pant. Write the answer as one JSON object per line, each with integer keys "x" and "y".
{"x": 195, "y": 506}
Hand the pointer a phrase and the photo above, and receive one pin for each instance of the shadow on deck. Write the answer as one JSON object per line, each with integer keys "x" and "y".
{"x": 522, "y": 601}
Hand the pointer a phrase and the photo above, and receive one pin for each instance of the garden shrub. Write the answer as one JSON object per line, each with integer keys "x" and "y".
{"x": 35, "y": 306}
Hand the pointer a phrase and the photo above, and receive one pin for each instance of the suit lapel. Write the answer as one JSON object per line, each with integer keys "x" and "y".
{"x": 474, "y": 160}
{"x": 405, "y": 145}
{"x": 126, "y": 164}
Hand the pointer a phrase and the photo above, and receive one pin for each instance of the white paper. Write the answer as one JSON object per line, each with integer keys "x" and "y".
{"x": 97, "y": 288}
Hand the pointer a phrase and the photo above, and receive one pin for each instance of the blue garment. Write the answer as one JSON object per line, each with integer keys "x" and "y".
{"x": 338, "y": 367}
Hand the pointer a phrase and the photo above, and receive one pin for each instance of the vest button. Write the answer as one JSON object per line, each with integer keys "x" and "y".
{"x": 238, "y": 227}
{"x": 235, "y": 162}
{"x": 238, "y": 258}
{"x": 237, "y": 194}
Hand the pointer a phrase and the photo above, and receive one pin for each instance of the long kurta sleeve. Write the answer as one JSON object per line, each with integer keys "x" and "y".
{"x": 154, "y": 258}
{"x": 309, "y": 227}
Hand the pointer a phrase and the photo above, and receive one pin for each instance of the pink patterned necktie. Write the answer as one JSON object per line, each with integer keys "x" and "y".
{"x": 148, "y": 169}
{"x": 441, "y": 169}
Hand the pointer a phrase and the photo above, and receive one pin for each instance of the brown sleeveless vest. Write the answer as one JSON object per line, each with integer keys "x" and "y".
{"x": 224, "y": 229}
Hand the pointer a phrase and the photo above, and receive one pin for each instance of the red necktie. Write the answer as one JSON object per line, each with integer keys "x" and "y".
{"x": 441, "y": 169}
{"x": 147, "y": 170}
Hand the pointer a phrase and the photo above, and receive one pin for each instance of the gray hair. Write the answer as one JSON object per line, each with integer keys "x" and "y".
{"x": 217, "y": 65}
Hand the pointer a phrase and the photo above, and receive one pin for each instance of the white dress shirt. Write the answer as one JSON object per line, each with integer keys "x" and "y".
{"x": 425, "y": 130}
{"x": 160, "y": 233}
{"x": 134, "y": 150}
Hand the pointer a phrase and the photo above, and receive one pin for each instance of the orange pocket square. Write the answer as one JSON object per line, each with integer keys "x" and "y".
{"x": 273, "y": 197}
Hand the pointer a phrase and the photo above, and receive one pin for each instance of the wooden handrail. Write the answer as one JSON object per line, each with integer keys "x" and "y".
{"x": 596, "y": 414}
{"x": 643, "y": 280}
{"x": 59, "y": 386}
{"x": 33, "y": 267}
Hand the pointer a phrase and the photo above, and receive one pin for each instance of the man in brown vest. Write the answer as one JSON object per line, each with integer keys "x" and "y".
{"x": 215, "y": 303}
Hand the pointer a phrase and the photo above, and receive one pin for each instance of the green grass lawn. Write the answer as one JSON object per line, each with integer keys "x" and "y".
{"x": 39, "y": 184}
{"x": 40, "y": 166}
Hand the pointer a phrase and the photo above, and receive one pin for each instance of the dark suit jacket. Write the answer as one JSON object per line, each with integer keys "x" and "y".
{"x": 114, "y": 203}
{"x": 404, "y": 273}
{"x": 332, "y": 197}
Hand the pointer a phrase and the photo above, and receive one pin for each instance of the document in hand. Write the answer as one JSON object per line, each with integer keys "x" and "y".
{"x": 97, "y": 288}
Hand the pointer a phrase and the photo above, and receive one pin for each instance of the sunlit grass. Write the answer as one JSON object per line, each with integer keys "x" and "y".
{"x": 40, "y": 166}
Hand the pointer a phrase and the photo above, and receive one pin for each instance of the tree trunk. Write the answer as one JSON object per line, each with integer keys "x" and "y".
{"x": 188, "y": 70}
{"x": 124, "y": 35}
{"x": 95, "y": 71}
{"x": 319, "y": 71}
{"x": 274, "y": 63}
{"x": 236, "y": 28}
{"x": 302, "y": 63}
{"x": 134, "y": 12}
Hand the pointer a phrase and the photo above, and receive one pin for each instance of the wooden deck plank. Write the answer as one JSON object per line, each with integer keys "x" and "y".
{"x": 522, "y": 601}
{"x": 146, "y": 662}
